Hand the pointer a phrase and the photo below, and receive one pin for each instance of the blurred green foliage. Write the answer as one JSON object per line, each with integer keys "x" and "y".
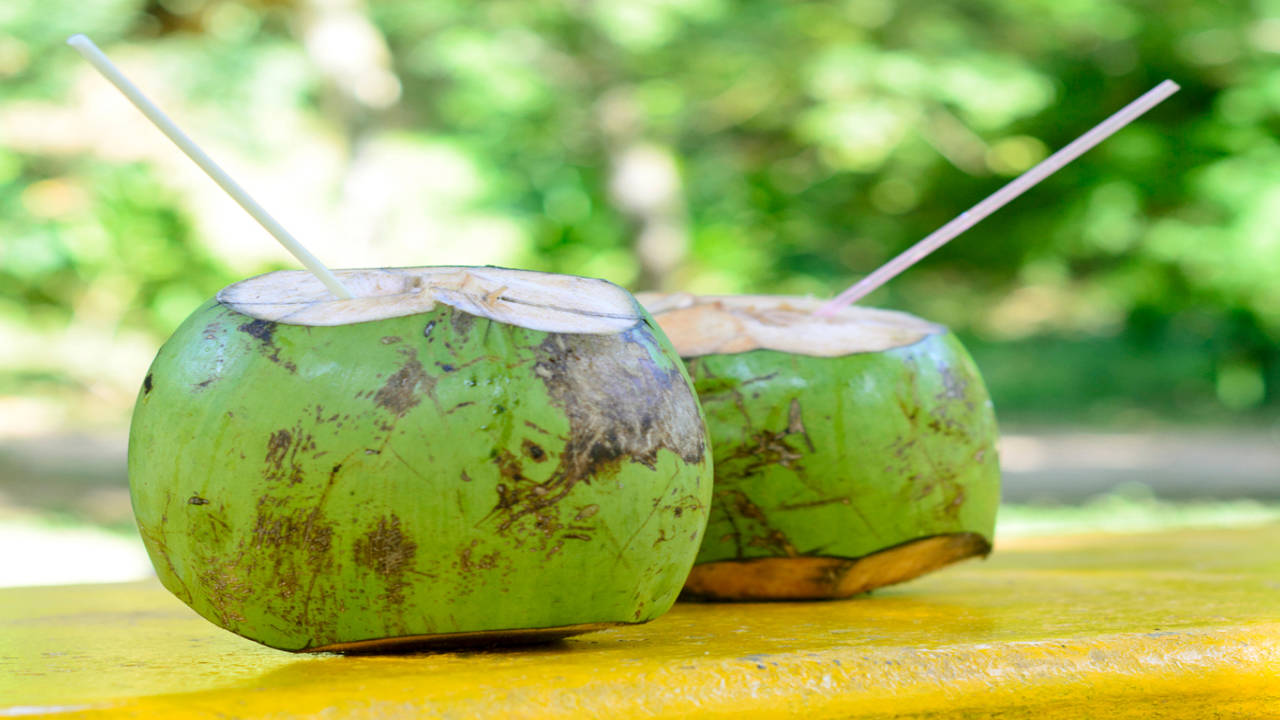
{"x": 810, "y": 142}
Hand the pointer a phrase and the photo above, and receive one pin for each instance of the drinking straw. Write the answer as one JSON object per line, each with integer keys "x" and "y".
{"x": 90, "y": 52}
{"x": 999, "y": 198}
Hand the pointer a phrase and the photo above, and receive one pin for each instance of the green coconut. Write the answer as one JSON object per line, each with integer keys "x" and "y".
{"x": 850, "y": 452}
{"x": 457, "y": 455}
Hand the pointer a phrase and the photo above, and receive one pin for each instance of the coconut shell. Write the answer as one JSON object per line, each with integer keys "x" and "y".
{"x": 415, "y": 479}
{"x": 842, "y": 472}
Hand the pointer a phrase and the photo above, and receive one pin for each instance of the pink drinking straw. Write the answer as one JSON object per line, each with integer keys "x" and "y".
{"x": 997, "y": 200}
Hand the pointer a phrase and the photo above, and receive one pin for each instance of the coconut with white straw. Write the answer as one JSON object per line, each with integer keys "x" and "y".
{"x": 415, "y": 456}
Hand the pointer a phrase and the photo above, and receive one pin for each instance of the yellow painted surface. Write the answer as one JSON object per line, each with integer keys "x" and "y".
{"x": 1179, "y": 625}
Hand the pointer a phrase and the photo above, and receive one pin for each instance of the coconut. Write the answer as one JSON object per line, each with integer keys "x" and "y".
{"x": 851, "y": 452}
{"x": 457, "y": 455}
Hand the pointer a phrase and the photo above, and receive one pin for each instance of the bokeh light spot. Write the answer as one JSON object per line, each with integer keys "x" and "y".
{"x": 1240, "y": 385}
{"x": 894, "y": 196}
{"x": 1016, "y": 154}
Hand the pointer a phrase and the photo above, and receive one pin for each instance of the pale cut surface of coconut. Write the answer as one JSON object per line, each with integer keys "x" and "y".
{"x": 524, "y": 298}
{"x": 722, "y": 324}
{"x": 827, "y": 578}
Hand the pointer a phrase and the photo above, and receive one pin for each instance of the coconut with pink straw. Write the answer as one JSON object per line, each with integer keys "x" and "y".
{"x": 854, "y": 447}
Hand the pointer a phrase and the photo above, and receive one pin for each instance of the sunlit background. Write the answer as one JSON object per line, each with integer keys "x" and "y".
{"x": 1125, "y": 313}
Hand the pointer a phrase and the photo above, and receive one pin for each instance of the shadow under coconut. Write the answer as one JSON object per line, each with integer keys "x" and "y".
{"x": 492, "y": 640}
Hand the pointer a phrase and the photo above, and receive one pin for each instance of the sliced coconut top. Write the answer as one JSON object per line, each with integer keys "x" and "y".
{"x": 723, "y": 324}
{"x": 533, "y": 300}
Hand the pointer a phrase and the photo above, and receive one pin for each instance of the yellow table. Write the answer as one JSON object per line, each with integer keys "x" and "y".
{"x": 1175, "y": 625}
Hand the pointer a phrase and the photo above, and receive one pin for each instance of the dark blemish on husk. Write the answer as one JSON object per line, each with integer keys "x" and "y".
{"x": 426, "y": 331}
{"x": 910, "y": 412}
{"x": 774, "y": 541}
{"x": 461, "y": 322}
{"x": 282, "y": 446}
{"x": 533, "y": 451}
{"x": 278, "y": 448}
{"x": 225, "y": 590}
{"x": 739, "y": 508}
{"x": 306, "y": 530}
{"x": 508, "y": 465}
{"x": 534, "y": 426}
{"x": 264, "y": 332}
{"x": 446, "y": 367}
{"x": 505, "y": 501}
{"x": 795, "y": 423}
{"x": 401, "y": 391}
{"x": 288, "y": 585}
{"x": 762, "y": 449}
{"x": 939, "y": 484}
{"x": 298, "y": 544}
{"x": 953, "y": 387}
{"x": 745, "y": 507}
{"x": 387, "y": 551}
{"x": 460, "y": 406}
{"x": 611, "y": 390}
{"x": 711, "y": 385}
{"x": 468, "y": 564}
{"x": 146, "y": 384}
{"x": 195, "y": 499}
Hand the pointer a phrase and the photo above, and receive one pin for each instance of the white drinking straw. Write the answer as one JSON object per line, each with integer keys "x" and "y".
{"x": 90, "y": 52}
{"x": 1024, "y": 182}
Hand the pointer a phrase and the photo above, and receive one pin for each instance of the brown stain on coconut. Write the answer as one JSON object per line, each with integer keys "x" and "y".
{"x": 509, "y": 466}
{"x": 388, "y": 552}
{"x": 478, "y": 567}
{"x": 400, "y": 393}
{"x": 283, "y": 447}
{"x": 769, "y": 447}
{"x": 596, "y": 380}
{"x": 533, "y": 451}
{"x": 264, "y": 332}
{"x": 305, "y": 530}
{"x": 226, "y": 590}
{"x": 934, "y": 473}
{"x": 621, "y": 407}
{"x": 767, "y": 537}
